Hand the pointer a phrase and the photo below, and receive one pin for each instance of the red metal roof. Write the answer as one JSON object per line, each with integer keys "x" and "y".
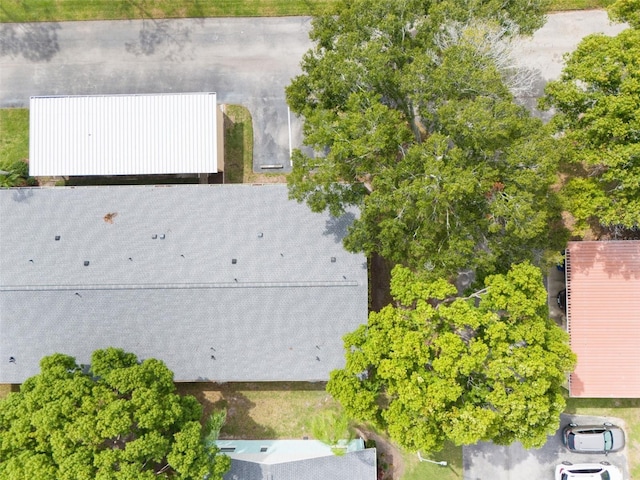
{"x": 603, "y": 318}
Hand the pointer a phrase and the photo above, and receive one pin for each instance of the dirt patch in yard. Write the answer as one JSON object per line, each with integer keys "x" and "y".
{"x": 379, "y": 282}
{"x": 275, "y": 410}
{"x": 390, "y": 462}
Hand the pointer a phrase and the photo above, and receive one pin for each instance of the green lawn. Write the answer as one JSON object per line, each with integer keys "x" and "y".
{"x": 14, "y": 147}
{"x": 264, "y": 410}
{"x": 62, "y": 10}
{"x": 416, "y": 470}
{"x": 14, "y": 135}
{"x": 238, "y": 143}
{"x": 560, "y": 5}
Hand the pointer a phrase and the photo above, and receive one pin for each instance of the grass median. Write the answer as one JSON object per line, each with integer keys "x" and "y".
{"x": 14, "y": 135}
{"x": 67, "y": 10}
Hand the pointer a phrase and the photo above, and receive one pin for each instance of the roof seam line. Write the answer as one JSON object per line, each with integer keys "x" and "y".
{"x": 176, "y": 286}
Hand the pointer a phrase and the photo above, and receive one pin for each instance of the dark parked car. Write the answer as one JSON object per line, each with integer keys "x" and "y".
{"x": 561, "y": 298}
{"x": 603, "y": 438}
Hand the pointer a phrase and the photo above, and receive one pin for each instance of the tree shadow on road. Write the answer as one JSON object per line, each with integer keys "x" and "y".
{"x": 167, "y": 37}
{"x": 36, "y": 42}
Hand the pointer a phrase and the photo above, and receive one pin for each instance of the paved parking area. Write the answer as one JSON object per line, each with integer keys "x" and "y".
{"x": 246, "y": 61}
{"x": 486, "y": 461}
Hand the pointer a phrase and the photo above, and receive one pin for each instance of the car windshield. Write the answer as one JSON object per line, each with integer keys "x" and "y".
{"x": 586, "y": 472}
{"x": 608, "y": 440}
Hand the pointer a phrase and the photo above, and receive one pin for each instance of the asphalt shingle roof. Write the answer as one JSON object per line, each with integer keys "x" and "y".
{"x": 360, "y": 465}
{"x": 161, "y": 280}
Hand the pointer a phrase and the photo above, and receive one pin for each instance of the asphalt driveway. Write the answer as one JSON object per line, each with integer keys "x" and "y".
{"x": 488, "y": 461}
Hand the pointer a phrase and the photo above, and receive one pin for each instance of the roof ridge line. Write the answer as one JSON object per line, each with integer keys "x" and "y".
{"x": 179, "y": 286}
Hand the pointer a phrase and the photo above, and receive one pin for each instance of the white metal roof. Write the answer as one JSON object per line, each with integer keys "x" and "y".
{"x": 123, "y": 134}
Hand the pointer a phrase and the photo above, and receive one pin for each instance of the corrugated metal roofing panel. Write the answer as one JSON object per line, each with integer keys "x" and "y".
{"x": 123, "y": 134}
{"x": 603, "y": 301}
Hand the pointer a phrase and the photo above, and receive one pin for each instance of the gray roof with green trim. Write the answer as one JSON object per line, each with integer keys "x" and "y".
{"x": 298, "y": 460}
{"x": 359, "y": 465}
{"x": 223, "y": 283}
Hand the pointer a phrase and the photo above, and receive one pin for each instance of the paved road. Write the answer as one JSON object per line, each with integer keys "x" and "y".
{"x": 246, "y": 61}
{"x": 543, "y": 52}
{"x": 485, "y": 460}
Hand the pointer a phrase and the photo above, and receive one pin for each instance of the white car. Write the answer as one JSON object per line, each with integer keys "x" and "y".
{"x": 587, "y": 471}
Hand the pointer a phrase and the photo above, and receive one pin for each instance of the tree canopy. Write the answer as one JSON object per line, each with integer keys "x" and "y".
{"x": 434, "y": 367}
{"x": 597, "y": 104}
{"x": 408, "y": 101}
{"x": 122, "y": 420}
{"x": 626, "y": 11}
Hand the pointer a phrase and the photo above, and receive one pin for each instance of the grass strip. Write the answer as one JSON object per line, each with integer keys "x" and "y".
{"x": 65, "y": 10}
{"x": 14, "y": 136}
{"x": 238, "y": 149}
{"x": 566, "y": 5}
{"x": 14, "y": 147}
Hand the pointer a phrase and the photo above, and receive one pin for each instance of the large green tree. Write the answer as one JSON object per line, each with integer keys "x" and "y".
{"x": 597, "y": 104}
{"x": 435, "y": 367}
{"x": 408, "y": 103}
{"x": 122, "y": 420}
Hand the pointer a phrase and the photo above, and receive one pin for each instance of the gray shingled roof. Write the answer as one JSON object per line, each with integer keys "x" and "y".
{"x": 360, "y": 465}
{"x": 277, "y": 314}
